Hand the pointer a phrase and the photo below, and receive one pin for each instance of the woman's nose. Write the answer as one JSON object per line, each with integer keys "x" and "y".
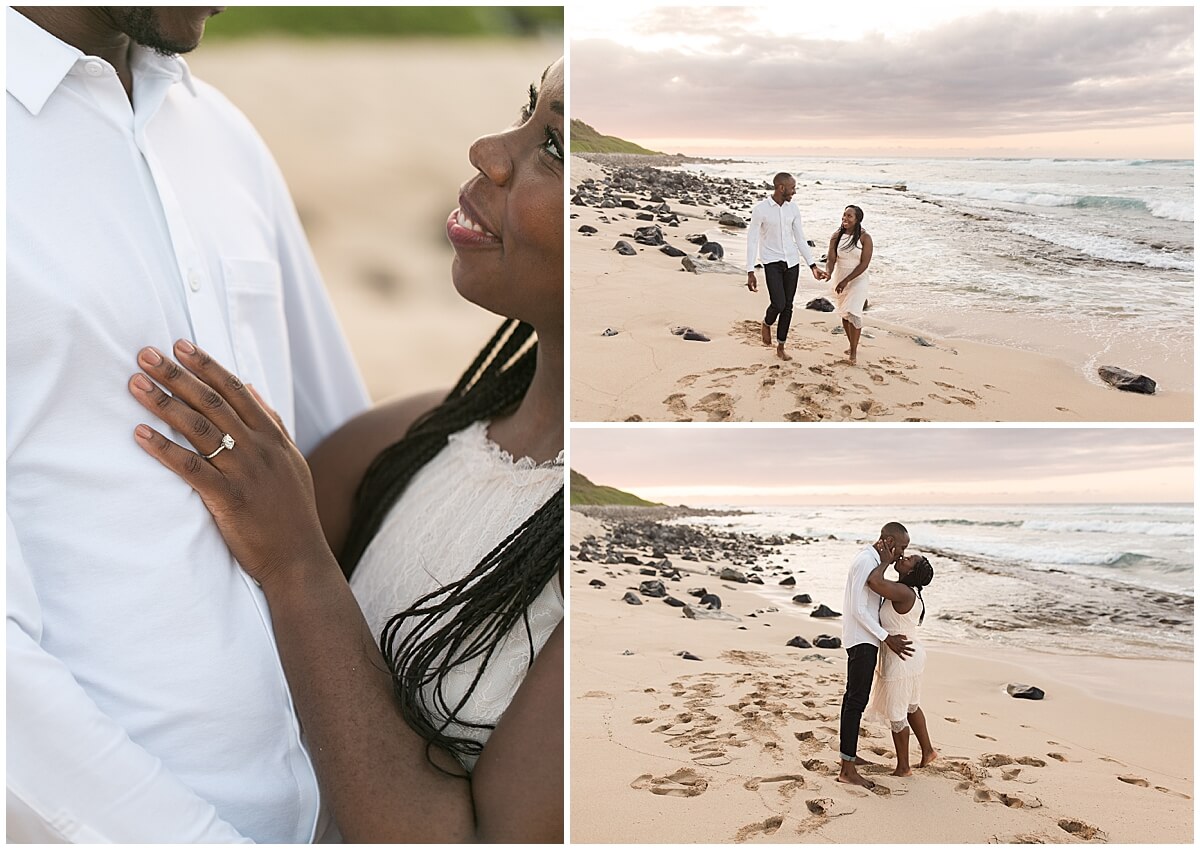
{"x": 490, "y": 156}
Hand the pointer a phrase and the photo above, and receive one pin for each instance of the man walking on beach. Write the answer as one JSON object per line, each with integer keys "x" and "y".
{"x": 776, "y": 234}
{"x": 146, "y": 702}
{"x": 862, "y": 636}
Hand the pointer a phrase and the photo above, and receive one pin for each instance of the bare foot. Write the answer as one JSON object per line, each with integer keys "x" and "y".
{"x": 926, "y": 759}
{"x": 860, "y": 761}
{"x": 850, "y": 776}
{"x": 902, "y": 772}
{"x": 766, "y": 331}
{"x": 852, "y": 359}
{"x": 783, "y": 355}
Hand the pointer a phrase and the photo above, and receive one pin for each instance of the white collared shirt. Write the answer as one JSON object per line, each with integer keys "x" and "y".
{"x": 776, "y": 233}
{"x": 860, "y": 604}
{"x": 146, "y": 701}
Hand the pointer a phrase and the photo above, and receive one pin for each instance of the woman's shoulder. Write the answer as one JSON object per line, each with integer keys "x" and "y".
{"x": 339, "y": 463}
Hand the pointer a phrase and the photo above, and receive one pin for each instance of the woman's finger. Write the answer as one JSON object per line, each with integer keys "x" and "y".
{"x": 200, "y": 431}
{"x": 224, "y": 382}
{"x": 195, "y": 470}
{"x": 192, "y": 391}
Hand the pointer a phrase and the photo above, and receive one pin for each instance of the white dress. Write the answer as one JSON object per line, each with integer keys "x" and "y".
{"x": 896, "y": 691}
{"x": 456, "y": 509}
{"x": 851, "y": 300}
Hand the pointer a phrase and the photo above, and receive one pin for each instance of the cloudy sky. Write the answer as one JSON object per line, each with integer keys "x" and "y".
{"x": 813, "y": 465}
{"x": 898, "y": 79}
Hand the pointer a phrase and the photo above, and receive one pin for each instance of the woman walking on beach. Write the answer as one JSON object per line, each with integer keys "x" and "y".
{"x": 896, "y": 696}
{"x": 849, "y": 255}
{"x": 430, "y": 683}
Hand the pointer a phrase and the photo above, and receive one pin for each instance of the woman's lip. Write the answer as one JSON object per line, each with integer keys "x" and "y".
{"x": 467, "y": 237}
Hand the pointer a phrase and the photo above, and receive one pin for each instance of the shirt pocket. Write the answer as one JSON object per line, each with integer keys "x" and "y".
{"x": 258, "y": 327}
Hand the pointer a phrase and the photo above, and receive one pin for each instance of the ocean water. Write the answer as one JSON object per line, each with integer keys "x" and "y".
{"x": 1070, "y": 577}
{"x": 1088, "y": 260}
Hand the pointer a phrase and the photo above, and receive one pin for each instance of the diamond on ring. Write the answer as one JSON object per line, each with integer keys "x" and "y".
{"x": 226, "y": 443}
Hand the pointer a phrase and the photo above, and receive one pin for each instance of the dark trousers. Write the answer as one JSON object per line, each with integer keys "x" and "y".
{"x": 781, "y": 286}
{"x": 860, "y": 671}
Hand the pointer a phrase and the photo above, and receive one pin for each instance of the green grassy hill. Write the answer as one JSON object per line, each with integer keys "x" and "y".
{"x": 584, "y": 492}
{"x": 586, "y": 139}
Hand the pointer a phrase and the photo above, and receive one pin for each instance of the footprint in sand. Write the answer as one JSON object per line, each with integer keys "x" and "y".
{"x": 937, "y": 397}
{"x": 877, "y": 378}
{"x": 951, "y": 719}
{"x": 643, "y": 719}
{"x": 1013, "y": 774}
{"x": 768, "y": 827}
{"x": 786, "y": 780}
{"x": 1171, "y": 793}
{"x": 985, "y": 737}
{"x": 677, "y": 407}
{"x": 684, "y": 782}
{"x": 1058, "y": 757}
{"x": 688, "y": 380}
{"x": 818, "y": 766}
{"x": 1135, "y": 780}
{"x": 718, "y": 406}
{"x": 1030, "y": 761}
{"x": 1083, "y": 830}
{"x": 802, "y": 416}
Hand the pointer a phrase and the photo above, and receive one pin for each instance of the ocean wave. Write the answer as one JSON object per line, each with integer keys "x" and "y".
{"x": 1153, "y": 529}
{"x": 1060, "y": 556}
{"x": 1107, "y": 248}
{"x": 987, "y": 523}
{"x": 1173, "y": 210}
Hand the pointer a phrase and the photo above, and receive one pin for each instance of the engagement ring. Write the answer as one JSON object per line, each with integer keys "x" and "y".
{"x": 226, "y": 443}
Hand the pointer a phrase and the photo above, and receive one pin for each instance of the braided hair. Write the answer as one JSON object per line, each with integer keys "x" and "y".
{"x": 919, "y": 576}
{"x": 857, "y": 232}
{"x": 468, "y": 619}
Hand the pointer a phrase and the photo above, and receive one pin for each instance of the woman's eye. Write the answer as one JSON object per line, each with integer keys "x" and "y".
{"x": 552, "y": 145}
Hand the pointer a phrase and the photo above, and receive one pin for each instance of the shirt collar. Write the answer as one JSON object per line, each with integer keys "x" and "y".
{"x": 38, "y": 62}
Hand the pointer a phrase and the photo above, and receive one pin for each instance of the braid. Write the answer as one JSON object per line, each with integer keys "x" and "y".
{"x": 922, "y": 598}
{"x": 466, "y": 620}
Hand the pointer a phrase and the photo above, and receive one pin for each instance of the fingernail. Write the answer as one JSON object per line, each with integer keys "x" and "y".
{"x": 151, "y": 356}
{"x": 142, "y": 383}
{"x": 144, "y": 432}
{"x": 185, "y": 346}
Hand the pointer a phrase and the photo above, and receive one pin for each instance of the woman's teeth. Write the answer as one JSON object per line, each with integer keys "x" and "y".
{"x": 463, "y": 221}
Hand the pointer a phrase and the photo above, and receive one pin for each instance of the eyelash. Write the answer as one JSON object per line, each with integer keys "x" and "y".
{"x": 528, "y": 109}
{"x": 552, "y": 145}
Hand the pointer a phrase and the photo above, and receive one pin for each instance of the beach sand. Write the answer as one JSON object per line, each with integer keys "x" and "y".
{"x": 645, "y": 372}
{"x": 372, "y": 137}
{"x": 741, "y": 745}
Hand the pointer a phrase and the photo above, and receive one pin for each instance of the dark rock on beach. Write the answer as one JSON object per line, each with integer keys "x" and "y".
{"x": 588, "y": 230}
{"x": 712, "y": 250}
{"x": 697, "y": 591}
{"x": 827, "y": 642}
{"x": 711, "y": 600}
{"x": 730, "y": 574}
{"x": 788, "y": 582}
{"x": 799, "y": 643}
{"x": 1127, "y": 381}
{"x": 624, "y": 248}
{"x": 802, "y": 599}
{"x": 821, "y": 304}
{"x": 673, "y": 602}
{"x": 632, "y": 598}
{"x": 651, "y": 235}
{"x": 1025, "y": 692}
{"x": 824, "y": 611}
{"x": 596, "y": 583}
{"x": 694, "y": 613}
{"x": 687, "y": 656}
{"x": 672, "y": 251}
{"x": 695, "y": 336}
{"x": 730, "y": 220}
{"x": 652, "y": 588}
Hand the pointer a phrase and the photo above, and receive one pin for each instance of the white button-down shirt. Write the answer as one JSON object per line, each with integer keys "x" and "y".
{"x": 776, "y": 233}
{"x": 860, "y": 604}
{"x": 146, "y": 701}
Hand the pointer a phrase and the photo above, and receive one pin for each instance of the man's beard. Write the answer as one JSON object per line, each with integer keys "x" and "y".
{"x": 139, "y": 23}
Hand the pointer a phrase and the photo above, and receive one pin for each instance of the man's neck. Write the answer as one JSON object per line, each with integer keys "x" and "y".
{"x": 88, "y": 29}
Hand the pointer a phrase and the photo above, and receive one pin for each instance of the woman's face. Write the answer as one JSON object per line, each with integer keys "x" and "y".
{"x": 507, "y": 232}
{"x": 904, "y": 565}
{"x": 849, "y": 218}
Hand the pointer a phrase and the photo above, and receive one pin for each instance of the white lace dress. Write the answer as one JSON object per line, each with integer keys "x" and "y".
{"x": 896, "y": 691}
{"x": 851, "y": 300}
{"x": 455, "y": 511}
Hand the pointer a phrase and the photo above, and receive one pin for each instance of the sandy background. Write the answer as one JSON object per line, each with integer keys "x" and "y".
{"x": 741, "y": 745}
{"x": 372, "y": 137}
{"x": 646, "y": 373}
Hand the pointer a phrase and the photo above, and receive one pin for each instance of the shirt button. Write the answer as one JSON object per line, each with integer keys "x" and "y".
{"x": 94, "y": 69}
{"x": 194, "y": 280}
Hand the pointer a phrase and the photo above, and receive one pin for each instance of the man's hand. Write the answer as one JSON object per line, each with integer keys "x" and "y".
{"x": 900, "y": 645}
{"x": 819, "y": 273}
{"x": 751, "y": 282}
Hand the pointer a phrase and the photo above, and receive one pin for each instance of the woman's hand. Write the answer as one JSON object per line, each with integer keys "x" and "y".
{"x": 841, "y": 286}
{"x": 258, "y": 489}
